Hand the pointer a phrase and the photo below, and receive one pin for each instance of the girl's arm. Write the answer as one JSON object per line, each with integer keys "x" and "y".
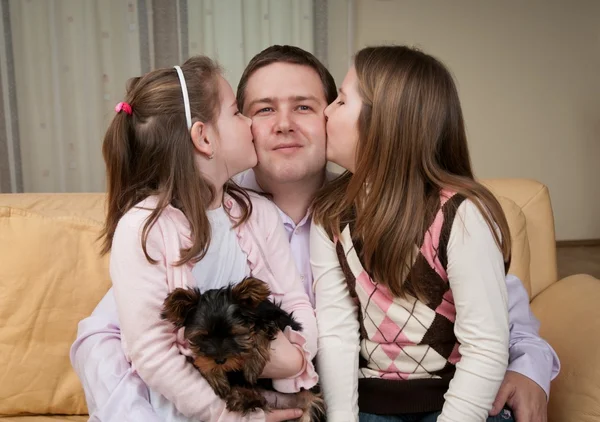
{"x": 150, "y": 342}
{"x": 337, "y": 320}
{"x": 477, "y": 279}
{"x": 292, "y": 295}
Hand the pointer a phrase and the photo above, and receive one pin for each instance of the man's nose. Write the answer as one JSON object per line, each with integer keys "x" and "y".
{"x": 284, "y": 122}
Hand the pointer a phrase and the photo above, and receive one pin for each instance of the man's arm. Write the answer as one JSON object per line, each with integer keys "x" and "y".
{"x": 533, "y": 364}
{"x": 529, "y": 354}
{"x": 114, "y": 392}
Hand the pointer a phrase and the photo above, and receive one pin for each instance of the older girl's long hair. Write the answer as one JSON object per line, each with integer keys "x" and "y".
{"x": 412, "y": 144}
{"x": 150, "y": 153}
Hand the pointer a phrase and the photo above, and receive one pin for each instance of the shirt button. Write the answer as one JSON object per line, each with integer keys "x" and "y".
{"x": 302, "y": 277}
{"x": 298, "y": 230}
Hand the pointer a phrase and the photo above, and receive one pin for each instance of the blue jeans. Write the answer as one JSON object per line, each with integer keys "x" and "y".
{"x": 504, "y": 416}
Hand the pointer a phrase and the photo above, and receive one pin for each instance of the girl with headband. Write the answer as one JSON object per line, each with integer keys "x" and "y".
{"x": 175, "y": 220}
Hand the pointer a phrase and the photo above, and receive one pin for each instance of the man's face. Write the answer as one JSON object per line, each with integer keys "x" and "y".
{"x": 286, "y": 103}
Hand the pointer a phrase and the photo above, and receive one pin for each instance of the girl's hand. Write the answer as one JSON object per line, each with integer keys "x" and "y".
{"x": 286, "y": 360}
{"x": 281, "y": 415}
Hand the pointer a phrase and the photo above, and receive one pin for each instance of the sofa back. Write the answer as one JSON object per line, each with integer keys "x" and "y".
{"x": 533, "y": 199}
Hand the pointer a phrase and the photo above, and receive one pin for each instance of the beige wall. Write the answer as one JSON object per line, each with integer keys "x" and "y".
{"x": 528, "y": 73}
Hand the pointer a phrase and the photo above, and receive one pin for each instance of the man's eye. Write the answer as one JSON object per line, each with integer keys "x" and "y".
{"x": 265, "y": 110}
{"x": 304, "y": 108}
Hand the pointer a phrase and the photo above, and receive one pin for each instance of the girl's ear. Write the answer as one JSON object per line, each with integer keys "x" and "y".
{"x": 201, "y": 138}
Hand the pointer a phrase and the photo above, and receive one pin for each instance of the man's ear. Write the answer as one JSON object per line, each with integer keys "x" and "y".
{"x": 201, "y": 138}
{"x": 178, "y": 305}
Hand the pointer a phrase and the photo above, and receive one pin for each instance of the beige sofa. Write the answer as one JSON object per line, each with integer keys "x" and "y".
{"x": 51, "y": 276}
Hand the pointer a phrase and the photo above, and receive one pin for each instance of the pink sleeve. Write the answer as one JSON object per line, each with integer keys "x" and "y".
{"x": 294, "y": 299}
{"x": 150, "y": 342}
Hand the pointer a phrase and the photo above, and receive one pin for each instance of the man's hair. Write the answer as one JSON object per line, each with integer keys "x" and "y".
{"x": 286, "y": 54}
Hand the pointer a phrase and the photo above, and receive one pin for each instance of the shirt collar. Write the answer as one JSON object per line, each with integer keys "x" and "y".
{"x": 247, "y": 180}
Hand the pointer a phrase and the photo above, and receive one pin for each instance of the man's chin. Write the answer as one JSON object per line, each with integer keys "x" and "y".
{"x": 280, "y": 174}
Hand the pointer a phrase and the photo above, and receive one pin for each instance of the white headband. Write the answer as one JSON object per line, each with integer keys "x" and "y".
{"x": 186, "y": 98}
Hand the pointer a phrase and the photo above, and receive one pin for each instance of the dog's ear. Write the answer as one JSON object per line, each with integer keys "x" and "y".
{"x": 250, "y": 291}
{"x": 178, "y": 305}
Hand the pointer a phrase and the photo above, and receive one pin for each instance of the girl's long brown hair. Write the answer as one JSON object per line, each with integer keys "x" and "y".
{"x": 412, "y": 144}
{"x": 150, "y": 152}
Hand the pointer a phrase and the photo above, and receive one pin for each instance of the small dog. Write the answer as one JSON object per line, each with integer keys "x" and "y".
{"x": 229, "y": 331}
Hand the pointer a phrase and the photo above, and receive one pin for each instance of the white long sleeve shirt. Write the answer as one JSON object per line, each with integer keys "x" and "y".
{"x": 475, "y": 271}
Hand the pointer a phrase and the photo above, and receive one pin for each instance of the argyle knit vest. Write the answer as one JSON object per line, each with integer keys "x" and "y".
{"x": 408, "y": 347}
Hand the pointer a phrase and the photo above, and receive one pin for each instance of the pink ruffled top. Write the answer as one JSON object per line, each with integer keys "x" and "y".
{"x": 156, "y": 351}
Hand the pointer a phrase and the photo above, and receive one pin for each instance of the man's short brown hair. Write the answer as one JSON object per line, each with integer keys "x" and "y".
{"x": 286, "y": 54}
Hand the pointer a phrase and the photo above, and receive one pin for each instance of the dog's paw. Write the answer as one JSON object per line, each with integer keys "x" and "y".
{"x": 245, "y": 400}
{"x": 313, "y": 405}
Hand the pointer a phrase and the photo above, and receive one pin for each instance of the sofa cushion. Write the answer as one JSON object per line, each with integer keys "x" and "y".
{"x": 570, "y": 322}
{"x": 51, "y": 277}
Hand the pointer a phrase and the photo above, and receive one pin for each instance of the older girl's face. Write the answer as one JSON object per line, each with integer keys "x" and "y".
{"x": 342, "y": 123}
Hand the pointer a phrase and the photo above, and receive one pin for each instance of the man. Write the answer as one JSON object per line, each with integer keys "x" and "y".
{"x": 285, "y": 91}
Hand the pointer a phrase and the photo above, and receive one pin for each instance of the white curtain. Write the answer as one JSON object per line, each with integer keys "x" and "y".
{"x": 72, "y": 59}
{"x": 64, "y": 65}
{"x": 233, "y": 31}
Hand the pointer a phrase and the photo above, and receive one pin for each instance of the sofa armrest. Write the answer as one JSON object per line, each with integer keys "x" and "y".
{"x": 569, "y": 312}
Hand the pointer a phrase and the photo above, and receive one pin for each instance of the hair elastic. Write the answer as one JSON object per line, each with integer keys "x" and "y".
{"x": 123, "y": 106}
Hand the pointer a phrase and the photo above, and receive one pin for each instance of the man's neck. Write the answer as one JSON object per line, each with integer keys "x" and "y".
{"x": 293, "y": 198}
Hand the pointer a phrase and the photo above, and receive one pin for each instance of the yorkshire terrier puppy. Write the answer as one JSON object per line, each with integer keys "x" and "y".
{"x": 229, "y": 331}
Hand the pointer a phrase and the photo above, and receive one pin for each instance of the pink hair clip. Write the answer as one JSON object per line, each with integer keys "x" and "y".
{"x": 122, "y": 106}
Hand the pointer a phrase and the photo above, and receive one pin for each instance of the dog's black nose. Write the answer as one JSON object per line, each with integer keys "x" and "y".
{"x": 220, "y": 361}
